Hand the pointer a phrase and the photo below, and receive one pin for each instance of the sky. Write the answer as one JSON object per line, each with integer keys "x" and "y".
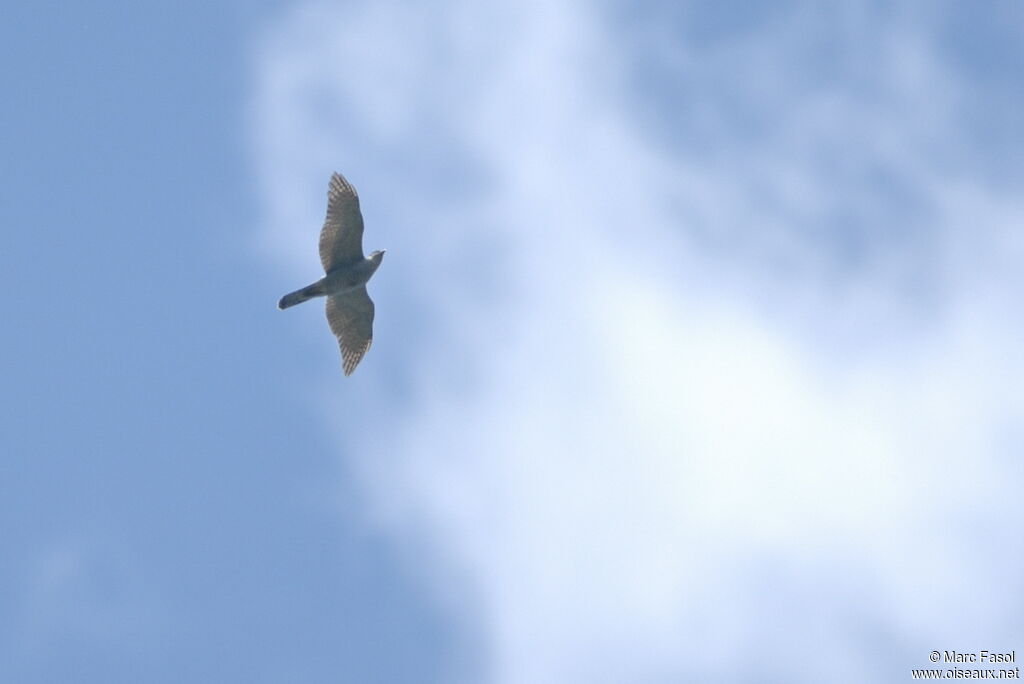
{"x": 696, "y": 354}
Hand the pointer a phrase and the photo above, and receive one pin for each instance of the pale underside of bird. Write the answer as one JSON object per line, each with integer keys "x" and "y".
{"x": 349, "y": 307}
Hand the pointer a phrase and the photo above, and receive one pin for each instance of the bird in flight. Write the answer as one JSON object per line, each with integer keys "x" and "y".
{"x": 349, "y": 307}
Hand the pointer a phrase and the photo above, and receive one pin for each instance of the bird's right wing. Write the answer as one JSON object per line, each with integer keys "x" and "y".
{"x": 350, "y": 316}
{"x": 341, "y": 239}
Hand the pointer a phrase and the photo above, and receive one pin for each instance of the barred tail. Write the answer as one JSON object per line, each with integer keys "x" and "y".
{"x": 299, "y": 296}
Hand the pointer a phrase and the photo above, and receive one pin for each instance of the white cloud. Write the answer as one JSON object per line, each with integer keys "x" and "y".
{"x": 666, "y": 432}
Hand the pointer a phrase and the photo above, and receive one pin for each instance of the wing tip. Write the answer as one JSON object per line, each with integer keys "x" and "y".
{"x": 350, "y": 358}
{"x": 338, "y": 185}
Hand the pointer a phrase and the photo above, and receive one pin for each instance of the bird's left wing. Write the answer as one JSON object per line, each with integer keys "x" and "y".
{"x": 341, "y": 238}
{"x": 350, "y": 316}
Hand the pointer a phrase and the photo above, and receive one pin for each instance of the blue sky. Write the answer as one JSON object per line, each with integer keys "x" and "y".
{"x": 696, "y": 350}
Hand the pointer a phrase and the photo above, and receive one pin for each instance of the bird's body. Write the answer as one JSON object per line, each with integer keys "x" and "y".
{"x": 342, "y": 280}
{"x": 350, "y": 310}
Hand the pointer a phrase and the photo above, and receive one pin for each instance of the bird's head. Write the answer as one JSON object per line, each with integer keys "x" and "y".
{"x": 377, "y": 255}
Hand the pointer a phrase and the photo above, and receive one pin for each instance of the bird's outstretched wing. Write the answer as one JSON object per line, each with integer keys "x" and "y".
{"x": 341, "y": 239}
{"x": 350, "y": 316}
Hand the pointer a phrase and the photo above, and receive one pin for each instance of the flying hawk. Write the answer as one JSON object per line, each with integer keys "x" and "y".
{"x": 349, "y": 307}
